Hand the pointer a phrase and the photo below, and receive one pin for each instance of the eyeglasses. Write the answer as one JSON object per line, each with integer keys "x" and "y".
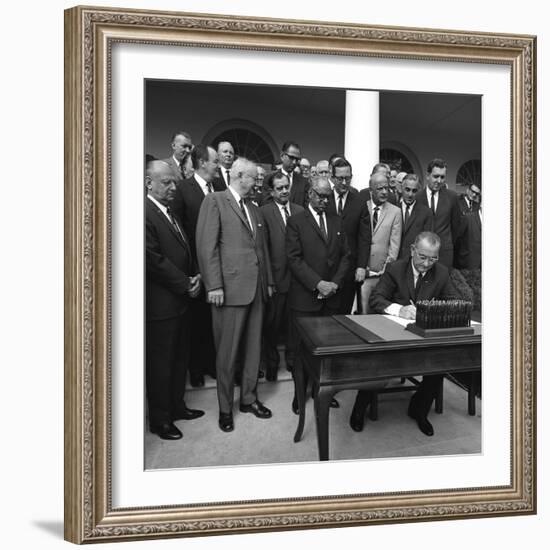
{"x": 409, "y": 190}
{"x": 424, "y": 258}
{"x": 292, "y": 157}
{"x": 322, "y": 196}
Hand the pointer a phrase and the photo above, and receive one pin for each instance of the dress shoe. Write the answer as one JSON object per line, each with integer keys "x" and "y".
{"x": 423, "y": 423}
{"x": 166, "y": 430}
{"x": 295, "y": 408}
{"x": 261, "y": 374}
{"x": 257, "y": 409}
{"x": 225, "y": 422}
{"x": 334, "y": 404}
{"x": 184, "y": 413}
{"x": 196, "y": 380}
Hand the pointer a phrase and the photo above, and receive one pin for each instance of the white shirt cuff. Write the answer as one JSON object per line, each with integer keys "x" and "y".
{"x": 393, "y": 309}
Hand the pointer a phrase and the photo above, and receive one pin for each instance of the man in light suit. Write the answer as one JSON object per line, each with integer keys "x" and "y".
{"x": 416, "y": 217}
{"x": 182, "y": 145}
{"x": 386, "y": 226}
{"x": 404, "y": 283}
{"x": 171, "y": 280}
{"x": 445, "y": 208}
{"x": 236, "y": 271}
{"x": 276, "y": 215}
{"x": 186, "y": 205}
{"x": 318, "y": 257}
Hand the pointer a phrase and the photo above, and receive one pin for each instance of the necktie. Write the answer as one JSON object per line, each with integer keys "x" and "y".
{"x": 340, "y": 204}
{"x": 182, "y": 169}
{"x": 417, "y": 286}
{"x": 209, "y": 186}
{"x": 432, "y": 203}
{"x": 407, "y": 213}
{"x": 241, "y": 204}
{"x": 175, "y": 224}
{"x": 375, "y": 217}
{"x": 323, "y": 227}
{"x": 228, "y": 178}
{"x": 285, "y": 212}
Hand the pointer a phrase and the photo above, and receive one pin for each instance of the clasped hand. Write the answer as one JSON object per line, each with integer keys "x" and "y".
{"x": 195, "y": 285}
{"x": 326, "y": 288}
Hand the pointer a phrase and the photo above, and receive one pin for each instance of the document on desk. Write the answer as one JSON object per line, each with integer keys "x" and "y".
{"x": 376, "y": 328}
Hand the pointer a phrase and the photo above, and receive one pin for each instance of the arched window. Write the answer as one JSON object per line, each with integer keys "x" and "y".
{"x": 396, "y": 158}
{"x": 469, "y": 172}
{"x": 246, "y": 144}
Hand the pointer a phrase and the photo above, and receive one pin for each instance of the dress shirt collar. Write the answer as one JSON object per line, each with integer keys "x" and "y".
{"x": 202, "y": 182}
{"x": 317, "y": 216}
{"x": 161, "y": 207}
{"x": 236, "y": 195}
{"x": 281, "y": 206}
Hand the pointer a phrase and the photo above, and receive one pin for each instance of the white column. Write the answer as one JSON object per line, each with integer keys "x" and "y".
{"x": 362, "y": 146}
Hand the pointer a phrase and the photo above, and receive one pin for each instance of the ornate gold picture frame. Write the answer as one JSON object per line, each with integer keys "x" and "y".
{"x": 90, "y": 34}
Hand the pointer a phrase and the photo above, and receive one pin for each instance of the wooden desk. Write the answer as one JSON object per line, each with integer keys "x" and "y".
{"x": 337, "y": 359}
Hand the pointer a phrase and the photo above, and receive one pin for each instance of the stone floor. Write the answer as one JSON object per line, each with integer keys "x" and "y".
{"x": 394, "y": 434}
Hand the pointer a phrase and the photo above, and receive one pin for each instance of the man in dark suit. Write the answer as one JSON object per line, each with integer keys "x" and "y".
{"x": 276, "y": 213}
{"x": 404, "y": 283}
{"x": 416, "y": 217}
{"x": 290, "y": 159}
{"x": 444, "y": 205}
{"x": 469, "y": 202}
{"x": 186, "y": 205}
{"x": 182, "y": 145}
{"x": 226, "y": 156}
{"x": 468, "y": 247}
{"x": 347, "y": 203}
{"x": 318, "y": 257}
{"x": 171, "y": 280}
{"x": 236, "y": 271}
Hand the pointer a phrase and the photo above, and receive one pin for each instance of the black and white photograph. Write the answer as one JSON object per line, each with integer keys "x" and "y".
{"x": 313, "y": 279}
{"x": 276, "y": 317}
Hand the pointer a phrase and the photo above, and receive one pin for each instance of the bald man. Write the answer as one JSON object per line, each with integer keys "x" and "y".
{"x": 171, "y": 281}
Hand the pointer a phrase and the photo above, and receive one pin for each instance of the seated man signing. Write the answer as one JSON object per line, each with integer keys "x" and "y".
{"x": 403, "y": 284}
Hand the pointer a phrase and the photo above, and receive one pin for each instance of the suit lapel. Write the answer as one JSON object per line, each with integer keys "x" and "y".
{"x": 426, "y": 284}
{"x": 167, "y": 223}
{"x": 381, "y": 214}
{"x": 313, "y": 222}
{"x": 236, "y": 208}
{"x": 411, "y": 216}
{"x": 279, "y": 216}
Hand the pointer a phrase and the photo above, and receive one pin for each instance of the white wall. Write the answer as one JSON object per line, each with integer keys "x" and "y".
{"x": 31, "y": 278}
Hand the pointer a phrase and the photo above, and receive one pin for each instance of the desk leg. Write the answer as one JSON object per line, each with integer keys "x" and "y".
{"x": 322, "y": 409}
{"x": 472, "y": 394}
{"x": 300, "y": 391}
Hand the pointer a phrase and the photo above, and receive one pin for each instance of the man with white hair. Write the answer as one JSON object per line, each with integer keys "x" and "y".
{"x": 234, "y": 263}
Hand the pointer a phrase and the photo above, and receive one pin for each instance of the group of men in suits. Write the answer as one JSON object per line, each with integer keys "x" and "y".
{"x": 241, "y": 264}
